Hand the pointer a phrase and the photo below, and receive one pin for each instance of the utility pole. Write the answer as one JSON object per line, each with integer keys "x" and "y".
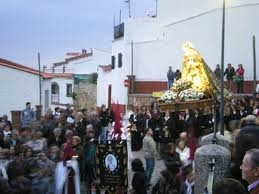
{"x": 39, "y": 76}
{"x": 222, "y": 70}
{"x": 254, "y": 61}
{"x": 156, "y": 8}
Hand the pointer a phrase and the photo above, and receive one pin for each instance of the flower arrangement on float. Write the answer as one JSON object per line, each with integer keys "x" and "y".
{"x": 180, "y": 85}
{"x": 169, "y": 95}
{"x": 182, "y": 90}
{"x": 190, "y": 94}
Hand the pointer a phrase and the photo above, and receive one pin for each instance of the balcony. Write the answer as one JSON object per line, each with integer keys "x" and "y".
{"x": 54, "y": 98}
{"x": 119, "y": 31}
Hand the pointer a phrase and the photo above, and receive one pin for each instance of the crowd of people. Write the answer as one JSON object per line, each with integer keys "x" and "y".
{"x": 233, "y": 76}
{"x": 30, "y": 154}
{"x": 174, "y": 137}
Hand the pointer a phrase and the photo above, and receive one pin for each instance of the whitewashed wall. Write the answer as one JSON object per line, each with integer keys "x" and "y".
{"x": 17, "y": 88}
{"x": 87, "y": 65}
{"x": 62, "y": 83}
{"x": 157, "y": 53}
{"x": 157, "y": 42}
{"x": 46, "y": 85}
{"x": 115, "y": 78}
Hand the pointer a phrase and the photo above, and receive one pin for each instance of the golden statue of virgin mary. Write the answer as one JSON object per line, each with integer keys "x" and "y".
{"x": 196, "y": 70}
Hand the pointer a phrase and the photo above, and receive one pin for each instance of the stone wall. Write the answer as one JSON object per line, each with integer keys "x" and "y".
{"x": 140, "y": 99}
{"x": 86, "y": 95}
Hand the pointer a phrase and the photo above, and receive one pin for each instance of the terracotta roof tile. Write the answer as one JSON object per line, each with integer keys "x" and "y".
{"x": 13, "y": 65}
{"x": 73, "y": 58}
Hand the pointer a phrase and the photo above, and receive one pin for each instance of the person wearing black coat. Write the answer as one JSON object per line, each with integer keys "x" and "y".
{"x": 169, "y": 124}
{"x": 156, "y": 124}
{"x": 172, "y": 159}
{"x": 105, "y": 120}
{"x": 139, "y": 177}
{"x": 137, "y": 120}
{"x": 206, "y": 121}
{"x": 246, "y": 139}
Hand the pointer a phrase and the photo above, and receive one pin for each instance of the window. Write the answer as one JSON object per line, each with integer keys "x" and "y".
{"x": 69, "y": 90}
{"x": 113, "y": 62}
{"x": 119, "y": 31}
{"x": 119, "y": 60}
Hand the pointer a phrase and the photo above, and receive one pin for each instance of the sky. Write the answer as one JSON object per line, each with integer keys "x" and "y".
{"x": 55, "y": 27}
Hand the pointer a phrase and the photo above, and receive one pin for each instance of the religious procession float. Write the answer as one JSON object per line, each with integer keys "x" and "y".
{"x": 197, "y": 88}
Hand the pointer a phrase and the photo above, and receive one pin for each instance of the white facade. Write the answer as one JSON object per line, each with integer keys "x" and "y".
{"x": 46, "y": 95}
{"x": 115, "y": 78}
{"x": 157, "y": 42}
{"x": 17, "y": 88}
{"x": 61, "y": 98}
{"x": 90, "y": 64}
{"x": 85, "y": 65}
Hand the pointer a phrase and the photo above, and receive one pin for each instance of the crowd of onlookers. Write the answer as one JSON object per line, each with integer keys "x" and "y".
{"x": 28, "y": 155}
{"x": 174, "y": 137}
{"x": 233, "y": 77}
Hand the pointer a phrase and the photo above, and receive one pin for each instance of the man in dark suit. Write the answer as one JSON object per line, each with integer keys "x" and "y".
{"x": 230, "y": 73}
{"x": 250, "y": 170}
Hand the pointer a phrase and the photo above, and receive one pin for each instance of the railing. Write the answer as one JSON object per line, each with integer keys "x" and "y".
{"x": 118, "y": 31}
{"x": 54, "y": 98}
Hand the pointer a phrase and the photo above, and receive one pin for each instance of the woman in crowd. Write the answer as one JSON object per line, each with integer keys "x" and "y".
{"x": 189, "y": 128}
{"x": 78, "y": 149}
{"x": 36, "y": 143}
{"x": 137, "y": 120}
{"x": 156, "y": 124}
{"x": 167, "y": 133}
{"x": 240, "y": 79}
{"x": 184, "y": 152}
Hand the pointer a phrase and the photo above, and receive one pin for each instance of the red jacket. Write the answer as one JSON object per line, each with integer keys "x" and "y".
{"x": 240, "y": 71}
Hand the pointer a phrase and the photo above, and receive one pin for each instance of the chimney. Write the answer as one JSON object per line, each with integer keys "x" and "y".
{"x": 44, "y": 68}
{"x": 83, "y": 51}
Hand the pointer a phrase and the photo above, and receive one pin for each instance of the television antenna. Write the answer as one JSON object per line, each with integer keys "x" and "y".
{"x": 129, "y": 6}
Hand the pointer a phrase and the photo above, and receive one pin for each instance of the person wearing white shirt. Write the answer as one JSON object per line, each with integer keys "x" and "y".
{"x": 184, "y": 152}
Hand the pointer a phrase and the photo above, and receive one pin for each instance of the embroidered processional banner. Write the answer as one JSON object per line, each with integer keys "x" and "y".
{"x": 111, "y": 166}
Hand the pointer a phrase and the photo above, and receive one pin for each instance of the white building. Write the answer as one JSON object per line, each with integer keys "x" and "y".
{"x": 149, "y": 45}
{"x": 84, "y": 62}
{"x": 20, "y": 84}
{"x": 61, "y": 86}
